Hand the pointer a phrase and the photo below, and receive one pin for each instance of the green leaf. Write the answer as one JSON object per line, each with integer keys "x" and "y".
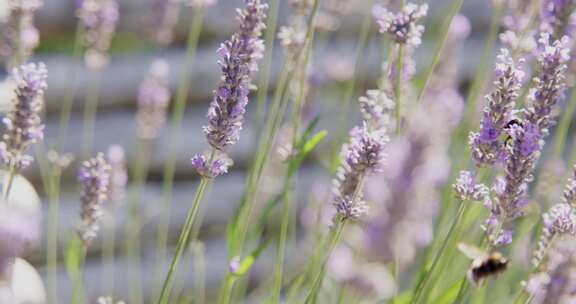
{"x": 450, "y": 294}
{"x": 248, "y": 262}
{"x": 311, "y": 126}
{"x": 311, "y": 144}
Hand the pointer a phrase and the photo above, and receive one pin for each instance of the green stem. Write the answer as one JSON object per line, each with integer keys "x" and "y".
{"x": 52, "y": 237}
{"x": 139, "y": 175}
{"x": 78, "y": 296}
{"x": 316, "y": 283}
{"x": 564, "y": 125}
{"x": 423, "y": 284}
{"x": 89, "y": 116}
{"x": 11, "y": 174}
{"x": 199, "y": 256}
{"x": 70, "y": 93}
{"x": 177, "y": 117}
{"x": 264, "y": 81}
{"x": 455, "y": 8}
{"x": 182, "y": 242}
{"x": 108, "y": 257}
{"x": 462, "y": 291}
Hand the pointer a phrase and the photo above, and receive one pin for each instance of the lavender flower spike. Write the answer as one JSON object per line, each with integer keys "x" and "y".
{"x": 116, "y": 157}
{"x": 99, "y": 19}
{"x": 362, "y": 155}
{"x": 23, "y": 123}
{"x": 560, "y": 219}
{"x": 18, "y": 35}
{"x": 94, "y": 178}
{"x": 402, "y": 26}
{"x": 238, "y": 60}
{"x": 487, "y": 144}
{"x": 153, "y": 100}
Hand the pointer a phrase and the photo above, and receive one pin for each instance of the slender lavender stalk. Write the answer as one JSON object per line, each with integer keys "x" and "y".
{"x": 18, "y": 36}
{"x": 94, "y": 178}
{"x": 23, "y": 123}
{"x": 487, "y": 145}
{"x": 99, "y": 19}
{"x": 239, "y": 57}
{"x": 407, "y": 34}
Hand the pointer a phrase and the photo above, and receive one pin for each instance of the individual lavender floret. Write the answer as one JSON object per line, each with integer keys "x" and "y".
{"x": 153, "y": 100}
{"x": 94, "y": 178}
{"x": 23, "y": 123}
{"x": 19, "y": 229}
{"x": 238, "y": 60}
{"x": 116, "y": 157}
{"x": 99, "y": 19}
{"x": 402, "y": 25}
{"x": 364, "y": 154}
{"x": 487, "y": 144}
{"x": 219, "y": 165}
{"x": 468, "y": 189}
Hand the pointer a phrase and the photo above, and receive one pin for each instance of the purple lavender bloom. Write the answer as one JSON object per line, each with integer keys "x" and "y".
{"x": 238, "y": 61}
{"x": 569, "y": 195}
{"x": 23, "y": 123}
{"x": 528, "y": 138}
{"x": 364, "y": 154}
{"x": 99, "y": 19}
{"x": 153, "y": 100}
{"x": 555, "y": 15}
{"x": 550, "y": 83}
{"x": 18, "y": 35}
{"x": 402, "y": 25}
{"x": 94, "y": 178}
{"x": 218, "y": 166}
{"x": 164, "y": 17}
{"x": 19, "y": 229}
{"x": 467, "y": 188}
{"x": 486, "y": 145}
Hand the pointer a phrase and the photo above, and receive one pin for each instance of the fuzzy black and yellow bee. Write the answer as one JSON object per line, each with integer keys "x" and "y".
{"x": 508, "y": 126}
{"x": 484, "y": 264}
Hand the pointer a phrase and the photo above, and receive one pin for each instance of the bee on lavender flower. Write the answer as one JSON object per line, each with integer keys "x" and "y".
{"x": 484, "y": 264}
{"x": 512, "y": 122}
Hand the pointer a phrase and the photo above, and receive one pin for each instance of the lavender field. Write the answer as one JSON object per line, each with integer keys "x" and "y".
{"x": 287, "y": 151}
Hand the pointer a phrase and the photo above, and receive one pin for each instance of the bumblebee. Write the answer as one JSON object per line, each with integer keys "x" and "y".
{"x": 484, "y": 264}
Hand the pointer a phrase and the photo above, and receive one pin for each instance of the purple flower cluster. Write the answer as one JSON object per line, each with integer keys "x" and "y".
{"x": 18, "y": 36}
{"x": 153, "y": 100}
{"x": 555, "y": 16}
{"x": 19, "y": 229}
{"x": 99, "y": 19}
{"x": 212, "y": 165}
{"x": 94, "y": 178}
{"x": 364, "y": 154}
{"x": 402, "y": 26}
{"x": 23, "y": 123}
{"x": 238, "y": 60}
{"x": 486, "y": 145}
{"x": 556, "y": 283}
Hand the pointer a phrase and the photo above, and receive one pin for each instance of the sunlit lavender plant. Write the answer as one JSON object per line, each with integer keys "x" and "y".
{"x": 94, "y": 178}
{"x": 402, "y": 26}
{"x": 238, "y": 60}
{"x": 528, "y": 139}
{"x": 99, "y": 19}
{"x": 23, "y": 123}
